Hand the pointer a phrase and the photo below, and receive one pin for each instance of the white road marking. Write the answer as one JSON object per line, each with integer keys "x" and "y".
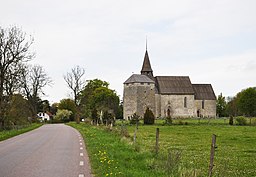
{"x": 81, "y": 175}
{"x": 81, "y": 163}
{"x": 80, "y": 140}
{"x": 81, "y": 144}
{"x": 81, "y": 148}
{"x": 81, "y": 154}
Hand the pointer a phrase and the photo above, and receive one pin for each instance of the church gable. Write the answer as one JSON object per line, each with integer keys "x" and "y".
{"x": 204, "y": 92}
{"x": 174, "y": 85}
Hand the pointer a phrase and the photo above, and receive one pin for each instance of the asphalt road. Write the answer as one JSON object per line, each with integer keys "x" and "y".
{"x": 54, "y": 150}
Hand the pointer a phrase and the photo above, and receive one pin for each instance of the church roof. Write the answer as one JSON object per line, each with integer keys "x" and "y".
{"x": 146, "y": 67}
{"x": 204, "y": 92}
{"x": 174, "y": 85}
{"x": 137, "y": 78}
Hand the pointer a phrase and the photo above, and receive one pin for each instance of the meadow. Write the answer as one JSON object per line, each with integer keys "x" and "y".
{"x": 184, "y": 149}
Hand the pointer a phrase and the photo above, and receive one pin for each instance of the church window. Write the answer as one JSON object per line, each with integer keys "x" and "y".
{"x": 185, "y": 102}
{"x": 202, "y": 104}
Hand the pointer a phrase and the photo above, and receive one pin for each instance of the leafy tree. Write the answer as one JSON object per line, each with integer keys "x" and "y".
{"x": 95, "y": 116}
{"x": 247, "y": 102}
{"x": 97, "y": 95}
{"x": 221, "y": 106}
{"x": 63, "y": 115}
{"x": 18, "y": 111}
{"x": 105, "y": 99}
{"x": 54, "y": 108}
{"x": 232, "y": 107}
{"x": 68, "y": 104}
{"x": 149, "y": 118}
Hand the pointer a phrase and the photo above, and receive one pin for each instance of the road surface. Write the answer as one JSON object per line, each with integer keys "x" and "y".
{"x": 54, "y": 150}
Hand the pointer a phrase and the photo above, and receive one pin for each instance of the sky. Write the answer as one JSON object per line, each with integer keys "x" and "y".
{"x": 209, "y": 41}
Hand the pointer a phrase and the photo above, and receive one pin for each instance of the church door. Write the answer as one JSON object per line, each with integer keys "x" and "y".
{"x": 198, "y": 113}
{"x": 168, "y": 112}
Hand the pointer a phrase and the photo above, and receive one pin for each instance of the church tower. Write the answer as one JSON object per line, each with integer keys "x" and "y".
{"x": 139, "y": 91}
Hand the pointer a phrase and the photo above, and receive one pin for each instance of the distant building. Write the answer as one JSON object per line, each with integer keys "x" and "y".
{"x": 44, "y": 116}
{"x": 173, "y": 96}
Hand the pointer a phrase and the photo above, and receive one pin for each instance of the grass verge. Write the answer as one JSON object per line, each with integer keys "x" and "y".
{"x": 184, "y": 150}
{"x": 5, "y": 134}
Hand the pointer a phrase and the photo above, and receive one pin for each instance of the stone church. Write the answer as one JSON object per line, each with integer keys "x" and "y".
{"x": 173, "y": 96}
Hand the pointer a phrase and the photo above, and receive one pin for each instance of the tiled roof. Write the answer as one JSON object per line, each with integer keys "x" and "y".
{"x": 174, "y": 85}
{"x": 146, "y": 67}
{"x": 204, "y": 92}
{"x": 137, "y": 78}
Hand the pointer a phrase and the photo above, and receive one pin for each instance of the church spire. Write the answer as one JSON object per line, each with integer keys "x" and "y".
{"x": 146, "y": 67}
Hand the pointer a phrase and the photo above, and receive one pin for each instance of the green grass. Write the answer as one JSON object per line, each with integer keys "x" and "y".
{"x": 235, "y": 155}
{"x": 5, "y": 134}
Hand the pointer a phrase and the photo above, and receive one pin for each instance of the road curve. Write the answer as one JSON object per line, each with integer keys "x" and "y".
{"x": 54, "y": 150}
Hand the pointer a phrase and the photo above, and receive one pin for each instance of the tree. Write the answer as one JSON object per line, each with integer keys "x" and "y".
{"x": 68, "y": 104}
{"x": 105, "y": 99}
{"x": 75, "y": 82}
{"x": 63, "y": 115}
{"x": 34, "y": 79}
{"x": 232, "y": 108}
{"x": 18, "y": 111}
{"x": 149, "y": 118}
{"x": 247, "y": 102}
{"x": 221, "y": 106}
{"x": 14, "y": 51}
{"x": 87, "y": 94}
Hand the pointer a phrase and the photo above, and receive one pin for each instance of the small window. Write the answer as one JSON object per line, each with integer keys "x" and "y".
{"x": 185, "y": 102}
{"x": 203, "y": 104}
{"x": 148, "y": 83}
{"x": 142, "y": 83}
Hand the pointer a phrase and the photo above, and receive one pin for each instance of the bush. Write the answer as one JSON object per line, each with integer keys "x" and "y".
{"x": 231, "y": 120}
{"x": 168, "y": 120}
{"x": 241, "y": 120}
{"x": 134, "y": 119}
{"x": 149, "y": 118}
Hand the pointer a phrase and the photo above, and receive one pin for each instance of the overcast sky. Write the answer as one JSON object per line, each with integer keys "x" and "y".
{"x": 210, "y": 41}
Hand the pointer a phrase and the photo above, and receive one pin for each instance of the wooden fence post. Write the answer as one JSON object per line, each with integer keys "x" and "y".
{"x": 213, "y": 146}
{"x": 157, "y": 140}
{"x": 134, "y": 136}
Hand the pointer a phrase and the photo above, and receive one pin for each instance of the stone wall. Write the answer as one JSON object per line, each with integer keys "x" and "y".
{"x": 209, "y": 110}
{"x": 175, "y": 103}
{"x": 137, "y": 97}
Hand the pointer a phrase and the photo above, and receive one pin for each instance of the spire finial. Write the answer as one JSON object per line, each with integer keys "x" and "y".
{"x": 146, "y": 43}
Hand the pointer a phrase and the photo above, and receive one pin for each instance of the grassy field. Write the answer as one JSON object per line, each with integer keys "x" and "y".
{"x": 184, "y": 149}
{"x": 5, "y": 134}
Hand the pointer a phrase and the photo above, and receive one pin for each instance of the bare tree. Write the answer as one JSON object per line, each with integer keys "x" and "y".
{"x": 34, "y": 79}
{"x": 75, "y": 81}
{"x": 14, "y": 49}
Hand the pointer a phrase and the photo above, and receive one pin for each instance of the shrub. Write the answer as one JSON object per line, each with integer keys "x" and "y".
{"x": 231, "y": 120}
{"x": 241, "y": 120}
{"x": 149, "y": 118}
{"x": 168, "y": 120}
{"x": 134, "y": 119}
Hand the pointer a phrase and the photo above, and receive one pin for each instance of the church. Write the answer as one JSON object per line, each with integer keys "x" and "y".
{"x": 165, "y": 96}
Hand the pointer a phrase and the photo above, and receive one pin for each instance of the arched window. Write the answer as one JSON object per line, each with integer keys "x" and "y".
{"x": 203, "y": 104}
{"x": 185, "y": 102}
